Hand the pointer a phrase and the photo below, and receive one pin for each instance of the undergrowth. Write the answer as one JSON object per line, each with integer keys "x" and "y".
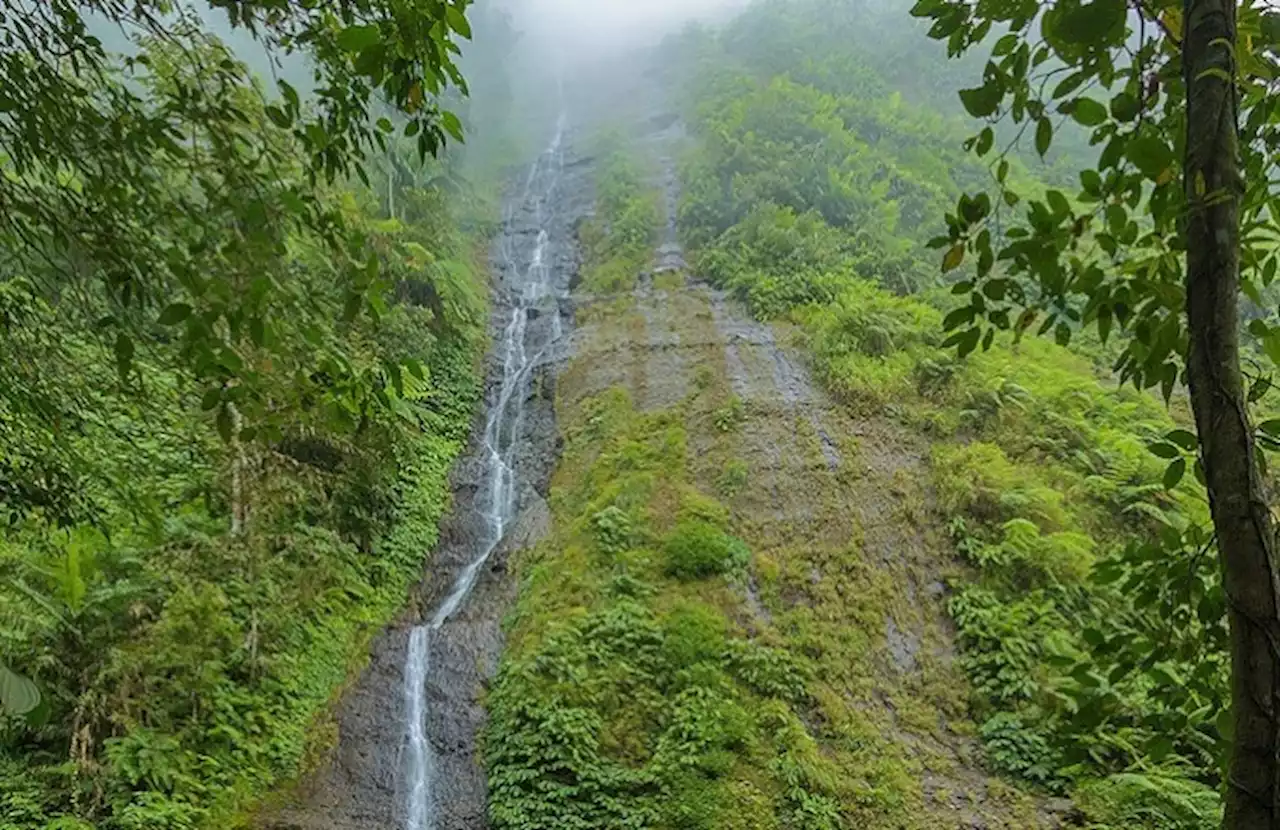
{"x": 1090, "y": 623}
{"x": 187, "y": 670}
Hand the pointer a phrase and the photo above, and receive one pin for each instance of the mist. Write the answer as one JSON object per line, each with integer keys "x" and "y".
{"x": 570, "y": 32}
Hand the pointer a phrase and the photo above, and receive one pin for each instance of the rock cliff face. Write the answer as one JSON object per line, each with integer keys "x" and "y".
{"x": 849, "y": 560}
{"x": 364, "y": 783}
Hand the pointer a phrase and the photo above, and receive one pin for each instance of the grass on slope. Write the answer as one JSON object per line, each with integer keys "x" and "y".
{"x": 677, "y": 658}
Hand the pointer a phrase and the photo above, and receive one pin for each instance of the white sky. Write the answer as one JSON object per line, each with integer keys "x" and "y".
{"x": 597, "y": 22}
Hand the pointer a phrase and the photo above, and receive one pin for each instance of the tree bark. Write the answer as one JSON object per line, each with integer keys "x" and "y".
{"x": 1237, "y": 498}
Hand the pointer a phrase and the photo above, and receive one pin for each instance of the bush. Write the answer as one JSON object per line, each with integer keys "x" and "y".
{"x": 696, "y": 550}
{"x": 1151, "y": 801}
{"x": 695, "y": 634}
{"x": 613, "y": 530}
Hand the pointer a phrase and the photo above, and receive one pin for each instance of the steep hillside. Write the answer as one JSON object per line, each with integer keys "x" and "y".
{"x": 900, "y": 597}
{"x": 738, "y": 618}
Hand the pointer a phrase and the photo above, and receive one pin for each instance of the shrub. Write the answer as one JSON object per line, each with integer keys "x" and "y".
{"x": 613, "y": 530}
{"x": 1017, "y": 749}
{"x": 695, "y": 634}
{"x": 1152, "y": 801}
{"x": 696, "y": 550}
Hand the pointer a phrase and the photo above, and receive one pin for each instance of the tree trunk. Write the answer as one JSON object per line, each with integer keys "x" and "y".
{"x": 1236, "y": 496}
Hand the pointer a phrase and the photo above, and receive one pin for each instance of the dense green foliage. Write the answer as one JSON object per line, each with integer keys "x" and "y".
{"x": 627, "y": 697}
{"x": 1092, "y": 625}
{"x": 1169, "y": 244}
{"x": 618, "y": 240}
{"x": 685, "y": 652}
{"x": 229, "y": 398}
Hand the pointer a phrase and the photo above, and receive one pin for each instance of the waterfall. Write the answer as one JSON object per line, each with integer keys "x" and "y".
{"x": 504, "y": 426}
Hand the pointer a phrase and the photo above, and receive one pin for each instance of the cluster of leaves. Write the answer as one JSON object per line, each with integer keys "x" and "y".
{"x": 627, "y": 697}
{"x": 231, "y": 386}
{"x": 808, "y": 163}
{"x": 1093, "y": 630}
{"x": 618, "y": 240}
{"x": 1104, "y": 251}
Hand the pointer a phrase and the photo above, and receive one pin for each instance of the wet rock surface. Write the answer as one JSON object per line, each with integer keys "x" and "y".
{"x": 364, "y": 784}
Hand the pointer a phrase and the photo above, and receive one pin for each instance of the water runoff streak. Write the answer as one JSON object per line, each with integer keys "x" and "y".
{"x": 501, "y": 441}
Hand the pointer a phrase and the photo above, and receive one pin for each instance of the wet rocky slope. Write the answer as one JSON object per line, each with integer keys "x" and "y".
{"x": 404, "y": 752}
{"x": 683, "y": 417}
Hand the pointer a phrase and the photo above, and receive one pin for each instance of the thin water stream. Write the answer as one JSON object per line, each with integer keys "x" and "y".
{"x": 533, "y": 327}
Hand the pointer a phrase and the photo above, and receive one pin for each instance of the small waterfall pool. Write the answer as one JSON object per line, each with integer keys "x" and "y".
{"x": 532, "y": 296}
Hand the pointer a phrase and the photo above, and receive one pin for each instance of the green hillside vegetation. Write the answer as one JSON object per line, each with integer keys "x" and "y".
{"x": 640, "y": 687}
{"x": 1040, "y": 464}
{"x": 212, "y": 506}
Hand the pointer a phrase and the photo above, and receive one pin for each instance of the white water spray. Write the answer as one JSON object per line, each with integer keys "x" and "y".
{"x": 500, "y": 446}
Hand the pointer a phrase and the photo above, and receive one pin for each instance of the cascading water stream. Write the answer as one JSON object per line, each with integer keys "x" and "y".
{"x": 500, "y": 447}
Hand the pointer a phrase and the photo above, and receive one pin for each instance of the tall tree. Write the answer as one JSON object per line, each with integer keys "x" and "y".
{"x": 155, "y": 195}
{"x": 1156, "y": 249}
{"x": 1240, "y": 509}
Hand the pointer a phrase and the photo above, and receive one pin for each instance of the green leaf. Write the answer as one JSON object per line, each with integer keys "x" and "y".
{"x": 962, "y": 316}
{"x": 1174, "y": 473}
{"x": 278, "y": 116}
{"x": 290, "y": 94}
{"x": 451, "y": 125}
{"x": 174, "y": 314}
{"x": 351, "y": 309}
{"x": 124, "y": 353}
{"x": 18, "y": 695}
{"x": 1058, "y": 204}
{"x": 1163, "y": 450}
{"x": 1088, "y": 112}
{"x": 458, "y": 21}
{"x": 358, "y": 38}
{"x": 1150, "y": 155}
{"x": 1069, "y": 84}
{"x": 981, "y": 101}
{"x": 224, "y": 423}
{"x": 1159, "y": 748}
{"x": 1183, "y": 438}
{"x": 1125, "y": 107}
{"x": 967, "y": 341}
{"x": 954, "y": 257}
{"x": 1259, "y": 389}
{"x": 1044, "y": 135}
{"x": 1093, "y": 24}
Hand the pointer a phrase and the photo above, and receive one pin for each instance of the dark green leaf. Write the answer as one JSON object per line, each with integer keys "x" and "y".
{"x": 124, "y": 353}
{"x": 1088, "y": 112}
{"x": 981, "y": 101}
{"x": 174, "y": 314}
{"x": 1150, "y": 155}
{"x": 962, "y": 316}
{"x": 224, "y": 423}
{"x": 357, "y": 38}
{"x": 1044, "y": 135}
{"x": 278, "y": 116}
{"x": 18, "y": 695}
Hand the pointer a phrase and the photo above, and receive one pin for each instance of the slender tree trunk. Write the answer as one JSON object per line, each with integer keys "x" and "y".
{"x": 239, "y": 463}
{"x": 1236, "y": 495}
